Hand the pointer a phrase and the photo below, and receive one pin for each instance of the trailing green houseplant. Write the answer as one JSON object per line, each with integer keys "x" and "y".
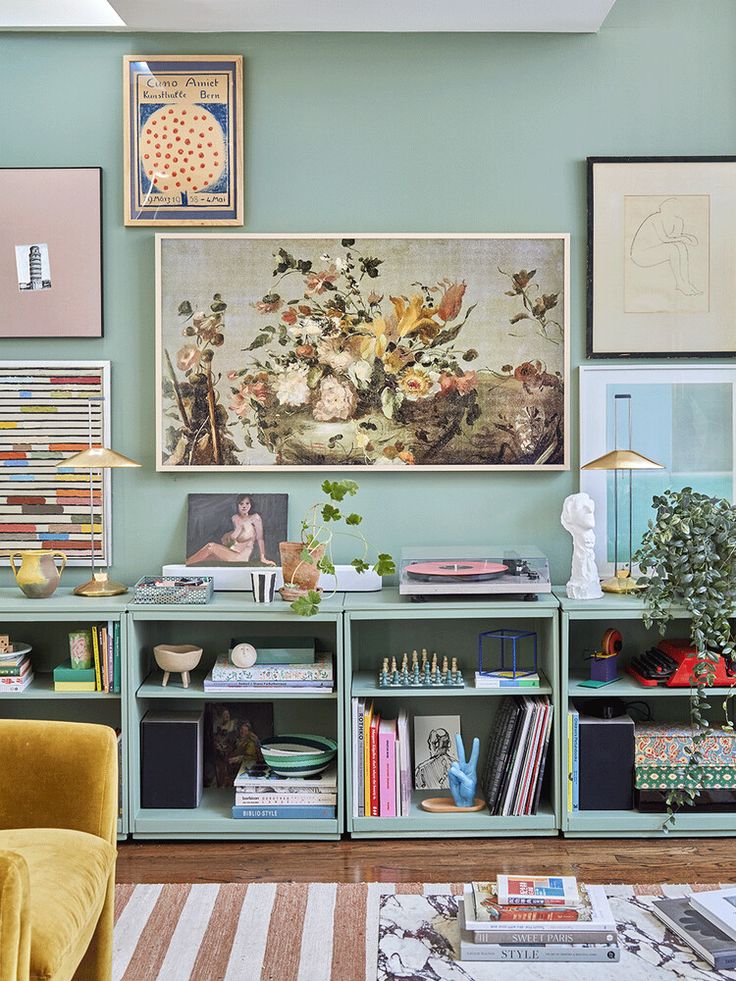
{"x": 318, "y": 529}
{"x": 688, "y": 559}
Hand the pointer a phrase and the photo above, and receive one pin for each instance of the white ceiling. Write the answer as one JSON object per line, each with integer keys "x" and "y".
{"x": 222, "y": 16}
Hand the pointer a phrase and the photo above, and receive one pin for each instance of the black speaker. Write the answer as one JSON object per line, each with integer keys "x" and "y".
{"x": 172, "y": 758}
{"x": 606, "y": 764}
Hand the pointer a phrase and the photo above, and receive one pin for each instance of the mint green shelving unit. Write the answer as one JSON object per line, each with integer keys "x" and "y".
{"x": 582, "y": 624}
{"x": 44, "y": 624}
{"x": 383, "y": 624}
{"x": 211, "y": 627}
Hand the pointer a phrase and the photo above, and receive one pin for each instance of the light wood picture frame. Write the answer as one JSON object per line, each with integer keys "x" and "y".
{"x": 362, "y": 351}
{"x": 661, "y": 257}
{"x": 183, "y": 139}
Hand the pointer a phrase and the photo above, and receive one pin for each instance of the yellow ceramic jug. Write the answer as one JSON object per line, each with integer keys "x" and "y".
{"x": 37, "y": 575}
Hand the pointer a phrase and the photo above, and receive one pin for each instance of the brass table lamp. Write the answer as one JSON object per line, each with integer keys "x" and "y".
{"x": 97, "y": 458}
{"x": 621, "y": 461}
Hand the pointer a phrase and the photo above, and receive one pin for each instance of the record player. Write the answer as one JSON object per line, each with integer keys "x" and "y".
{"x": 473, "y": 571}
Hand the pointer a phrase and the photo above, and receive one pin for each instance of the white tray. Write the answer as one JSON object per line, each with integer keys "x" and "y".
{"x": 238, "y": 577}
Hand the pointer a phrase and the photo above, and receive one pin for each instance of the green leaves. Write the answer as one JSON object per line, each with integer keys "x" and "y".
{"x": 307, "y": 606}
{"x": 337, "y": 489}
{"x": 353, "y": 519}
{"x": 385, "y": 565}
{"x": 360, "y": 565}
{"x": 330, "y": 513}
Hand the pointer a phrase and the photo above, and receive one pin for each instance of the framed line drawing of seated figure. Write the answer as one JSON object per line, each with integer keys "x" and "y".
{"x": 236, "y": 529}
{"x": 661, "y": 251}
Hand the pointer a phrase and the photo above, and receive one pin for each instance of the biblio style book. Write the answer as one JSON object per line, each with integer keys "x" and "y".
{"x": 718, "y": 906}
{"x": 527, "y": 952}
{"x": 275, "y": 674}
{"x": 594, "y": 915}
{"x": 704, "y": 937}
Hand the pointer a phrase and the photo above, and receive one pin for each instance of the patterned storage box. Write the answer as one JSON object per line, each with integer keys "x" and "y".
{"x": 665, "y": 744}
{"x": 186, "y": 590}
{"x": 672, "y": 777}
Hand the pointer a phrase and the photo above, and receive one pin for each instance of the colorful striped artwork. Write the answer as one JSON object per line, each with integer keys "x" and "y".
{"x": 44, "y": 418}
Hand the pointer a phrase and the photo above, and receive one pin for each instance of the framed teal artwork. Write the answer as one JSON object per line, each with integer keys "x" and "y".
{"x": 682, "y": 417}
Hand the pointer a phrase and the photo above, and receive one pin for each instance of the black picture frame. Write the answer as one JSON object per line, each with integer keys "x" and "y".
{"x": 591, "y": 352}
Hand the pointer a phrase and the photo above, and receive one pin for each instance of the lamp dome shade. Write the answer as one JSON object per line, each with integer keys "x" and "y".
{"x": 98, "y": 458}
{"x": 622, "y": 460}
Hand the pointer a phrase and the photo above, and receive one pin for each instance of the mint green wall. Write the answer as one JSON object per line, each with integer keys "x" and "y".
{"x": 376, "y": 132}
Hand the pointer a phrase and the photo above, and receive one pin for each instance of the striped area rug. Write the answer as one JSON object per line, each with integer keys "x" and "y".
{"x": 330, "y": 932}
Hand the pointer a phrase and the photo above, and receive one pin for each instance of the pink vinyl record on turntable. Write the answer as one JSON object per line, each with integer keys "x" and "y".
{"x": 460, "y": 569}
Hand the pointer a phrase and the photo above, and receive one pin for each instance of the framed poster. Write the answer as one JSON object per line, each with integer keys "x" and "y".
{"x": 661, "y": 257}
{"x": 45, "y": 419}
{"x": 675, "y": 411}
{"x": 51, "y": 252}
{"x": 183, "y": 139}
{"x": 326, "y": 352}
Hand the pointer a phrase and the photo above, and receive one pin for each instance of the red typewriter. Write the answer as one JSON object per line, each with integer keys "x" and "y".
{"x": 671, "y": 664}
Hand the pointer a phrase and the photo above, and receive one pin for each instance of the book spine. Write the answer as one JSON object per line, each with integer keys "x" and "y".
{"x": 110, "y": 659}
{"x": 560, "y": 954}
{"x": 387, "y": 769}
{"x": 273, "y": 673}
{"x": 74, "y": 686}
{"x": 103, "y": 658}
{"x": 724, "y": 962}
{"x": 576, "y": 761}
{"x": 569, "y": 762}
{"x": 116, "y": 672}
{"x": 15, "y": 672}
{"x": 96, "y": 655}
{"x": 285, "y": 800}
{"x": 519, "y": 937}
{"x": 360, "y": 758}
{"x": 283, "y": 813}
{"x": 543, "y": 761}
{"x": 211, "y": 685}
{"x": 367, "y": 760}
{"x": 373, "y": 765}
{"x": 15, "y": 684}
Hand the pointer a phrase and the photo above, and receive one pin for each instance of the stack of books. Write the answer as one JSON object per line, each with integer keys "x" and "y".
{"x": 382, "y": 774}
{"x": 260, "y": 793}
{"x": 506, "y": 679}
{"x": 536, "y": 919}
{"x": 706, "y": 922}
{"x": 102, "y": 642}
{"x": 317, "y": 676}
{"x": 16, "y": 671}
{"x": 518, "y": 747}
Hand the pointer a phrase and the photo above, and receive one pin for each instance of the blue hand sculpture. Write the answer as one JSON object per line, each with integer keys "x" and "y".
{"x": 462, "y": 775}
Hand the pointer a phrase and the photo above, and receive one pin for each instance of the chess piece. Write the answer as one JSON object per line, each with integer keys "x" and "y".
{"x": 578, "y": 517}
{"x": 383, "y": 677}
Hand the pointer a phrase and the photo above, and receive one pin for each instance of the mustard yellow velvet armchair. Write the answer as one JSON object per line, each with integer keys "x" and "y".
{"x": 58, "y": 814}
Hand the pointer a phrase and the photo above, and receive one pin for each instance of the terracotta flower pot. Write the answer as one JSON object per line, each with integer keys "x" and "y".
{"x": 296, "y": 570}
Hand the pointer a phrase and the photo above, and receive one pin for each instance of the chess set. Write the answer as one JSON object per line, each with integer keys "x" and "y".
{"x": 473, "y": 571}
{"x": 427, "y": 674}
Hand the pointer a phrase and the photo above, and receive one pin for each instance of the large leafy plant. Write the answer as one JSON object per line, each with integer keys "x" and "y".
{"x": 318, "y": 529}
{"x": 688, "y": 559}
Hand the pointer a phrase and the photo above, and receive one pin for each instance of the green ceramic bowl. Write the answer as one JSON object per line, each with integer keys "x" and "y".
{"x": 298, "y": 755}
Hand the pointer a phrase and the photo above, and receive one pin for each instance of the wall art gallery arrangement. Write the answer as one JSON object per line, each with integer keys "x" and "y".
{"x": 330, "y": 352}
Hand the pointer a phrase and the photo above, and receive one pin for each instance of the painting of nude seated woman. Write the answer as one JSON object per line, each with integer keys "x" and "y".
{"x": 236, "y": 529}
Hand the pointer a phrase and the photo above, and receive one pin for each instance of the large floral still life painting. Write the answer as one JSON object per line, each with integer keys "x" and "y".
{"x": 310, "y": 352}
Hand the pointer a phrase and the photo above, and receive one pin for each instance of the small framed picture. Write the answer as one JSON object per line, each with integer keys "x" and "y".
{"x": 236, "y": 529}
{"x": 661, "y": 257}
{"x": 51, "y": 252}
{"x": 183, "y": 139}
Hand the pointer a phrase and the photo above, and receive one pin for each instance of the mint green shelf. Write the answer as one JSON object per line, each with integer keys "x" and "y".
{"x": 628, "y": 687}
{"x": 364, "y": 686}
{"x": 42, "y": 686}
{"x": 213, "y": 819}
{"x": 634, "y": 824}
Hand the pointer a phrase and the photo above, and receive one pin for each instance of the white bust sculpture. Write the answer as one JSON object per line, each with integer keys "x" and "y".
{"x": 578, "y": 517}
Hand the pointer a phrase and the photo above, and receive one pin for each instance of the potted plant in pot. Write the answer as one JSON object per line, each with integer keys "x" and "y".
{"x": 688, "y": 559}
{"x": 303, "y": 561}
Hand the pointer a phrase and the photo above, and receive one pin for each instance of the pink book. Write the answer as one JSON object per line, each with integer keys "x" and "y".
{"x": 387, "y": 768}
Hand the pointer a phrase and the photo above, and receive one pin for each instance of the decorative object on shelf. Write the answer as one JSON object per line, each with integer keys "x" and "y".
{"x": 243, "y": 655}
{"x": 676, "y": 410}
{"x": 672, "y": 663}
{"x": 51, "y": 240}
{"x": 303, "y": 561}
{"x": 655, "y": 228}
{"x": 434, "y": 739}
{"x": 363, "y": 352}
{"x": 43, "y": 423}
{"x": 233, "y": 735}
{"x": 5, "y": 645}
{"x": 80, "y": 649}
{"x": 264, "y": 586}
{"x": 186, "y": 590}
{"x": 235, "y": 529}
{"x": 604, "y": 662}
{"x": 177, "y": 659}
{"x": 472, "y": 571}
{"x": 37, "y": 575}
{"x": 463, "y": 780}
{"x": 236, "y": 578}
{"x": 96, "y": 458}
{"x": 523, "y": 647}
{"x": 427, "y": 674}
{"x": 578, "y": 518}
{"x": 195, "y": 101}
{"x": 622, "y": 461}
{"x": 275, "y": 650}
{"x": 298, "y": 755}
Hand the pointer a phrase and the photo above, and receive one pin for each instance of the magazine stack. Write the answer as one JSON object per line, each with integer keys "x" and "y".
{"x": 706, "y": 922}
{"x": 16, "y": 671}
{"x": 536, "y": 919}
{"x": 261, "y": 793}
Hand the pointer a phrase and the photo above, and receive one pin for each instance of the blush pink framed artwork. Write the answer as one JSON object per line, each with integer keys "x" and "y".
{"x": 51, "y": 251}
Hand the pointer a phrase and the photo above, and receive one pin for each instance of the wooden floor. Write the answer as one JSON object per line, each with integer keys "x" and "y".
{"x": 608, "y": 860}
